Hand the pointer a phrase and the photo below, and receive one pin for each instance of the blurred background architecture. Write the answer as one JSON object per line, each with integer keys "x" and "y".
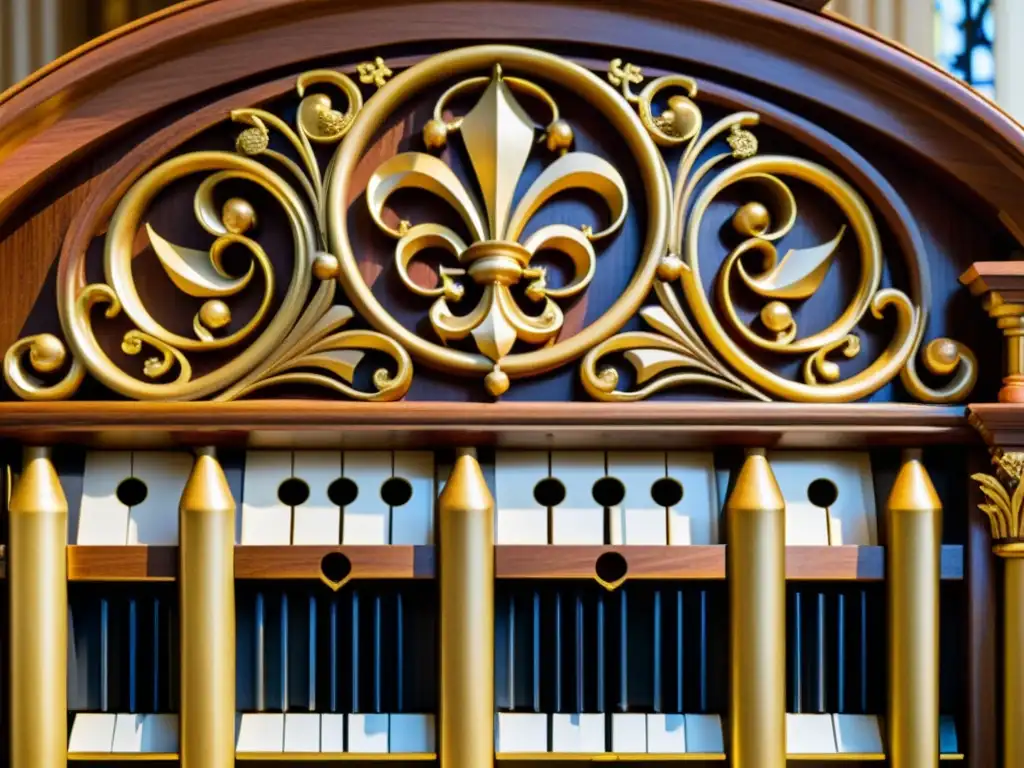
{"x": 958, "y": 35}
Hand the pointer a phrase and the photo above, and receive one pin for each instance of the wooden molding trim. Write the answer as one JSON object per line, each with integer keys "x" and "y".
{"x": 1001, "y": 425}
{"x": 328, "y": 424}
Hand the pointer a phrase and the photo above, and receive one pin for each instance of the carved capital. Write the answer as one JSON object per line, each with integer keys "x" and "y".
{"x": 1000, "y": 285}
{"x": 1004, "y": 501}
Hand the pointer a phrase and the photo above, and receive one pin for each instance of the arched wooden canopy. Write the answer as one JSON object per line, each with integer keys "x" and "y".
{"x": 939, "y": 166}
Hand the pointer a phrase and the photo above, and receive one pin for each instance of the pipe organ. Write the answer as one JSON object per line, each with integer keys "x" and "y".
{"x": 487, "y": 383}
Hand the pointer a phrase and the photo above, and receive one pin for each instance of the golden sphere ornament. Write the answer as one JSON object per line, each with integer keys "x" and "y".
{"x": 325, "y": 266}
{"x": 435, "y": 134}
{"x": 776, "y": 316}
{"x": 682, "y": 116}
{"x": 215, "y": 314}
{"x": 751, "y": 220}
{"x": 238, "y": 215}
{"x": 560, "y": 136}
{"x": 497, "y": 382}
{"x": 47, "y": 353}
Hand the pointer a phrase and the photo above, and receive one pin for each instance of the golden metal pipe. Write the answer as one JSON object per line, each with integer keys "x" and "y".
{"x": 756, "y": 570}
{"x": 38, "y": 583}
{"x": 1013, "y": 664}
{"x": 914, "y": 517}
{"x": 207, "y": 594}
{"x": 466, "y": 572}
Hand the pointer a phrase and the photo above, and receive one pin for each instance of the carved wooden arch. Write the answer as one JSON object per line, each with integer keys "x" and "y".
{"x": 73, "y": 140}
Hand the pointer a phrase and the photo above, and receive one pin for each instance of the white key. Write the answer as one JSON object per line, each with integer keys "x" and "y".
{"x": 413, "y": 522}
{"x": 367, "y": 520}
{"x": 332, "y": 734}
{"x": 301, "y": 732}
{"x": 368, "y": 734}
{"x": 704, "y": 734}
{"x": 260, "y": 732}
{"x": 629, "y": 733}
{"x": 850, "y": 519}
{"x": 694, "y": 519}
{"x": 149, "y": 734}
{"x": 577, "y": 733}
{"x": 638, "y": 519}
{"x": 519, "y": 518}
{"x": 666, "y": 734}
{"x": 519, "y": 732}
{"x": 265, "y": 519}
{"x": 810, "y": 734}
{"x": 318, "y": 519}
{"x": 860, "y": 734}
{"x": 579, "y": 519}
{"x": 103, "y": 519}
{"x": 92, "y": 732}
{"x": 154, "y": 521}
{"x": 411, "y": 734}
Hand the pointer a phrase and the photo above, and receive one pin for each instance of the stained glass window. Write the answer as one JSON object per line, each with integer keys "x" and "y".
{"x": 964, "y": 46}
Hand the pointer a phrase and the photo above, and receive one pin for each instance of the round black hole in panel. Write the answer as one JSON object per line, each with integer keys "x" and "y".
{"x": 822, "y": 493}
{"x": 667, "y": 492}
{"x": 131, "y": 492}
{"x": 611, "y": 567}
{"x": 396, "y": 492}
{"x": 549, "y": 492}
{"x": 293, "y": 492}
{"x": 335, "y": 567}
{"x": 342, "y": 492}
{"x": 609, "y": 491}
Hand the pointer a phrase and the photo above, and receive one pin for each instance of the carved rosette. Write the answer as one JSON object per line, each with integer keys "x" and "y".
{"x": 513, "y": 327}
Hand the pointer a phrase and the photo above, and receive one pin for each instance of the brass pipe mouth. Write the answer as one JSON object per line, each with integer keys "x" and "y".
{"x": 335, "y": 570}
{"x": 611, "y": 570}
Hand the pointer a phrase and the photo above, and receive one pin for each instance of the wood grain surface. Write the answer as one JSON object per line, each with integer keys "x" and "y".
{"x": 140, "y": 563}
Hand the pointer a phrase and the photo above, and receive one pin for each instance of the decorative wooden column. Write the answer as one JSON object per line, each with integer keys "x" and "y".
{"x": 1004, "y": 505}
{"x": 206, "y": 578}
{"x": 466, "y": 573}
{"x": 38, "y": 583}
{"x": 756, "y": 571}
{"x": 914, "y": 523}
{"x": 1000, "y": 286}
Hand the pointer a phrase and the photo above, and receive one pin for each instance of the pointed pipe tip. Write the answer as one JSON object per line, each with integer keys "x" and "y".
{"x": 913, "y": 489}
{"x": 460, "y": 452}
{"x": 755, "y": 487}
{"x": 206, "y": 488}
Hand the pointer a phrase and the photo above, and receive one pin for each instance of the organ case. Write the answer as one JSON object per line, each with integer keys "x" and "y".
{"x": 321, "y": 418}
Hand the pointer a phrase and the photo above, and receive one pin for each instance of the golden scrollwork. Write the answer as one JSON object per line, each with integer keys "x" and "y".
{"x": 302, "y": 342}
{"x": 677, "y": 355}
{"x": 493, "y": 312}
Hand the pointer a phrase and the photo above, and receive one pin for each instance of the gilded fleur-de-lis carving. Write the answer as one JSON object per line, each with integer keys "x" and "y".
{"x": 498, "y": 135}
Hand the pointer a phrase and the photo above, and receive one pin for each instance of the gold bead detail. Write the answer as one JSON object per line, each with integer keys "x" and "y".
{"x": 497, "y": 382}
{"x": 776, "y": 316}
{"x": 435, "y": 134}
{"x": 252, "y": 141}
{"x": 560, "y": 136}
{"x": 238, "y": 215}
{"x": 325, "y": 266}
{"x": 683, "y": 116}
{"x": 215, "y": 314}
{"x": 751, "y": 219}
{"x": 670, "y": 268}
{"x": 47, "y": 353}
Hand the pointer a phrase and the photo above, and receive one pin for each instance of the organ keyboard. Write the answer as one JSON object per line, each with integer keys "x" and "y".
{"x": 623, "y": 664}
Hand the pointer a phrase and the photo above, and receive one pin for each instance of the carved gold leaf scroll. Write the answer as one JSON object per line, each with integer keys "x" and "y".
{"x": 675, "y": 354}
{"x": 302, "y": 343}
